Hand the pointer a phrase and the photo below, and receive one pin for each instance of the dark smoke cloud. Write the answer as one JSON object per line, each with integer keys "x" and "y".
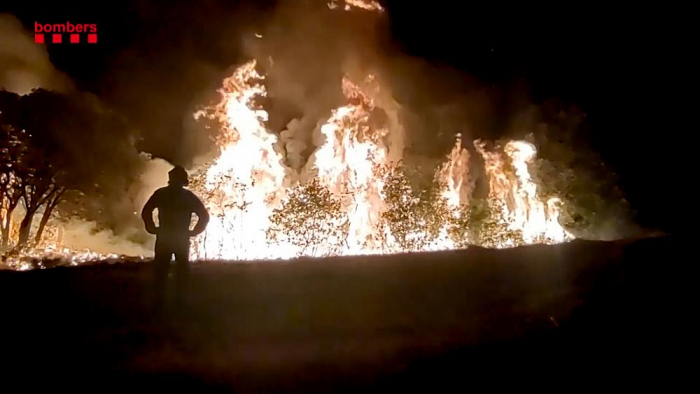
{"x": 305, "y": 51}
{"x": 183, "y": 54}
{"x": 307, "y": 48}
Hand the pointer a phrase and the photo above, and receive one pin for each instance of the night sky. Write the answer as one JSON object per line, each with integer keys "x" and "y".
{"x": 615, "y": 64}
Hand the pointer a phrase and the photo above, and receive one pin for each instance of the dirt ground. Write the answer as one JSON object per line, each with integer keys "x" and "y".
{"x": 583, "y": 314}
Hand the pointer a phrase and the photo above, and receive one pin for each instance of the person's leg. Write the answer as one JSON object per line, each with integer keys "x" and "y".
{"x": 161, "y": 265}
{"x": 182, "y": 268}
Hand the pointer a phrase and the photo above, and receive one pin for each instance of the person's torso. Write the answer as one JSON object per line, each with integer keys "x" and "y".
{"x": 175, "y": 208}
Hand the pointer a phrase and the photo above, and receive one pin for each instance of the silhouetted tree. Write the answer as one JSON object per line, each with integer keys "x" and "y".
{"x": 57, "y": 146}
{"x": 12, "y": 167}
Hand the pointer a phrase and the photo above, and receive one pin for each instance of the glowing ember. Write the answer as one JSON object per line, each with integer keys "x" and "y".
{"x": 50, "y": 256}
{"x": 50, "y": 252}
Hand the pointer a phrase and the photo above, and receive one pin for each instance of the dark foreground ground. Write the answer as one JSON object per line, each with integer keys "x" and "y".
{"x": 585, "y": 314}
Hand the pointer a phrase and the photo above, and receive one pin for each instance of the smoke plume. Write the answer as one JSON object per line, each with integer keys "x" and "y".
{"x": 25, "y": 65}
{"x": 305, "y": 49}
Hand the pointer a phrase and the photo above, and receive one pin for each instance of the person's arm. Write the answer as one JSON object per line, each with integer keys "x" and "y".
{"x": 202, "y": 216}
{"x": 147, "y": 214}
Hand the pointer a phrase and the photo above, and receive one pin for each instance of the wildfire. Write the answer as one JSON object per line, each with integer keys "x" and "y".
{"x": 369, "y": 5}
{"x": 347, "y": 163}
{"x": 454, "y": 174}
{"x": 350, "y": 198}
{"x": 523, "y": 209}
{"x": 249, "y": 180}
{"x": 53, "y": 256}
{"x": 353, "y": 171}
{"x": 51, "y": 252}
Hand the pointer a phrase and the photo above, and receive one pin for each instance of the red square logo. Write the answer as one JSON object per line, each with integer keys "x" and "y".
{"x": 56, "y": 38}
{"x": 39, "y": 38}
{"x": 74, "y": 38}
{"x": 92, "y": 38}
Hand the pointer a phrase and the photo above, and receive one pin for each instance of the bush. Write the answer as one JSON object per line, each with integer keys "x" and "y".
{"x": 483, "y": 223}
{"x": 310, "y": 219}
{"x": 413, "y": 218}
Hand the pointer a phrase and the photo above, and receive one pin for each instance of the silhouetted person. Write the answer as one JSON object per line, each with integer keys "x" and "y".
{"x": 175, "y": 206}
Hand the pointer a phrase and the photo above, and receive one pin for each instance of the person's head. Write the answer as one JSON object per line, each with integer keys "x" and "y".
{"x": 178, "y": 177}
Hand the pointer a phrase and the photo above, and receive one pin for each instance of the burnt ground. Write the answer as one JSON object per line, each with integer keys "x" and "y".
{"x": 580, "y": 315}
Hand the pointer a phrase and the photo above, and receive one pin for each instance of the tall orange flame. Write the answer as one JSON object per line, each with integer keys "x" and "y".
{"x": 249, "y": 179}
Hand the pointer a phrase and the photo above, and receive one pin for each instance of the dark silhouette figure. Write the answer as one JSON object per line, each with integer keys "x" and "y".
{"x": 175, "y": 206}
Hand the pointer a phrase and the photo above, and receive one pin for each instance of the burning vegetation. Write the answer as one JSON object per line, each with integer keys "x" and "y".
{"x": 340, "y": 179}
{"x": 57, "y": 170}
{"x": 354, "y": 196}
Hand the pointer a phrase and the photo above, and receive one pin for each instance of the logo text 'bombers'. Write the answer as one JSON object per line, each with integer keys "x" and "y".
{"x": 54, "y": 32}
